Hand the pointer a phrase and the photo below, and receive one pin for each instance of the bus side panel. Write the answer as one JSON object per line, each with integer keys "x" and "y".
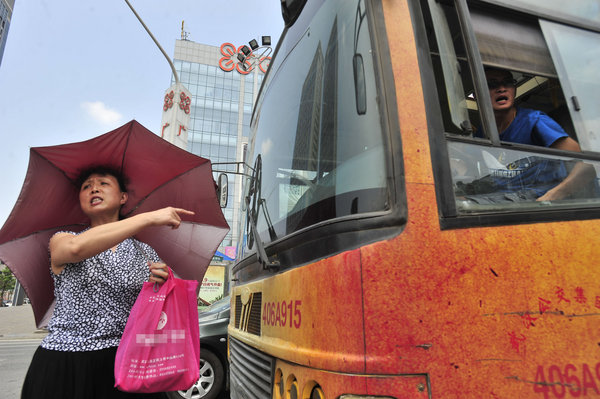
{"x": 505, "y": 311}
{"x": 510, "y": 311}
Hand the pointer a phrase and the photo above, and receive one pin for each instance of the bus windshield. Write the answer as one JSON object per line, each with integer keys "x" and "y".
{"x": 318, "y": 129}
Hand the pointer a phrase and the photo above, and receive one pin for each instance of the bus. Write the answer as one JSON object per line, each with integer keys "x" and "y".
{"x": 397, "y": 244}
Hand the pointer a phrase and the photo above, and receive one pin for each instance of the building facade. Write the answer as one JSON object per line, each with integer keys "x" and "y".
{"x": 6, "y": 9}
{"x": 222, "y": 96}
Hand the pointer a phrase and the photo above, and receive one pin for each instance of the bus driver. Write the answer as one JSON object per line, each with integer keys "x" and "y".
{"x": 527, "y": 126}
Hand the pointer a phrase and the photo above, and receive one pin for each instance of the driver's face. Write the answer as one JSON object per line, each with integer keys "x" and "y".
{"x": 502, "y": 89}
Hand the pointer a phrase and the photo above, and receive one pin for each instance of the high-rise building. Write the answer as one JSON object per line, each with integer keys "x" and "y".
{"x": 222, "y": 96}
{"x": 6, "y": 9}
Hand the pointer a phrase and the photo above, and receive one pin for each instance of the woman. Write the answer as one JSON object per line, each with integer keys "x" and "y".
{"x": 97, "y": 274}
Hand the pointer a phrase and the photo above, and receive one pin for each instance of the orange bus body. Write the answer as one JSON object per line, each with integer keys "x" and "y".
{"x": 483, "y": 312}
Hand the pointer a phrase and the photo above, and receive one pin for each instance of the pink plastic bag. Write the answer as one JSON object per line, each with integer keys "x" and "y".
{"x": 160, "y": 348}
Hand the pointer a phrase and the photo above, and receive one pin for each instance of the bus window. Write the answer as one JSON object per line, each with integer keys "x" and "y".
{"x": 451, "y": 69}
{"x": 320, "y": 134}
{"x": 584, "y": 12}
{"x": 494, "y": 179}
{"x": 506, "y": 166}
{"x": 577, "y": 56}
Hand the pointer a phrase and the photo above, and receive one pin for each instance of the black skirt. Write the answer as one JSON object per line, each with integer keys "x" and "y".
{"x": 75, "y": 375}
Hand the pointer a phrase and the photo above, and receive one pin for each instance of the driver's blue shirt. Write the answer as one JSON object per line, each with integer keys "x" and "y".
{"x": 531, "y": 127}
{"x": 531, "y": 176}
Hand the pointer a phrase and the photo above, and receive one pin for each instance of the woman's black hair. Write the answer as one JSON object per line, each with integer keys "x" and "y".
{"x": 102, "y": 170}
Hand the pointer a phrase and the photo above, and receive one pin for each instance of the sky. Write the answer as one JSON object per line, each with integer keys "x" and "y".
{"x": 75, "y": 69}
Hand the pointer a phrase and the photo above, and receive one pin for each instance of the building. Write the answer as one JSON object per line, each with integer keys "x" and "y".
{"x": 6, "y": 9}
{"x": 222, "y": 96}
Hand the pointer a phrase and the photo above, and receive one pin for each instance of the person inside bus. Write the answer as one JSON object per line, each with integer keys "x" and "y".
{"x": 527, "y": 126}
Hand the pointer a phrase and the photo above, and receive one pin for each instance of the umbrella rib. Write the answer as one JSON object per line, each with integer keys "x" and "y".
{"x": 54, "y": 166}
{"x": 143, "y": 199}
{"x": 126, "y": 147}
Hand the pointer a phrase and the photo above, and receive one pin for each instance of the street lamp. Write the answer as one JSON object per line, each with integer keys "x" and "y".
{"x": 177, "y": 102}
{"x": 248, "y": 57}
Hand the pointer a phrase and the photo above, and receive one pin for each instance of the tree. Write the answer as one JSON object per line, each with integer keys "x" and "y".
{"x": 7, "y": 282}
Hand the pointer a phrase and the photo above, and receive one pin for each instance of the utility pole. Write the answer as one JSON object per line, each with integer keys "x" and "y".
{"x": 177, "y": 101}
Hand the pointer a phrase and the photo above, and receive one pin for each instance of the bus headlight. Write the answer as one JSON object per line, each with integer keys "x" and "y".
{"x": 292, "y": 388}
{"x": 279, "y": 384}
{"x": 317, "y": 393}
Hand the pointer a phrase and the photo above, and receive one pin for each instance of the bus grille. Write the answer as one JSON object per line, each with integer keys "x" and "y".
{"x": 251, "y": 371}
{"x": 247, "y": 317}
{"x": 238, "y": 310}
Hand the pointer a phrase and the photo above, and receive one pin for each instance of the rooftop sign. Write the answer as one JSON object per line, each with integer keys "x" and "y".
{"x": 229, "y": 61}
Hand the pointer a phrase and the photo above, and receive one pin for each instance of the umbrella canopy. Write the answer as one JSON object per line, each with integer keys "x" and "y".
{"x": 159, "y": 173}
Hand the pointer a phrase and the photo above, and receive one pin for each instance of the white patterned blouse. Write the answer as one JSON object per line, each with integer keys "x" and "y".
{"x": 94, "y": 298}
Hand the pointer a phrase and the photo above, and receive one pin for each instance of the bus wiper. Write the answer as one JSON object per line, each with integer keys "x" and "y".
{"x": 263, "y": 259}
{"x": 253, "y": 211}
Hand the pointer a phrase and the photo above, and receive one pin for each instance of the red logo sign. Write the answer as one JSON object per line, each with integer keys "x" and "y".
{"x": 229, "y": 60}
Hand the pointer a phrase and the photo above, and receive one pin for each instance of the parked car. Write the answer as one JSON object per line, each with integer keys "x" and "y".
{"x": 214, "y": 371}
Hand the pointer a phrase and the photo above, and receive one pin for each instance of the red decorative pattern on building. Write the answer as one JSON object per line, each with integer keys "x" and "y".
{"x": 168, "y": 100}
{"x": 162, "y": 133}
{"x": 184, "y": 102}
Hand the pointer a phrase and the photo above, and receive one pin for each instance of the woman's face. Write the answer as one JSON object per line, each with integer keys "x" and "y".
{"x": 101, "y": 194}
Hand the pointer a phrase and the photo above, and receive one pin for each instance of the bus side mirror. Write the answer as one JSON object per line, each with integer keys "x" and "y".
{"x": 222, "y": 190}
{"x": 360, "y": 89}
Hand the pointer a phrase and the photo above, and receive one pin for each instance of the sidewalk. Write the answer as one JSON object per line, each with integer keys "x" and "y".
{"x": 16, "y": 322}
